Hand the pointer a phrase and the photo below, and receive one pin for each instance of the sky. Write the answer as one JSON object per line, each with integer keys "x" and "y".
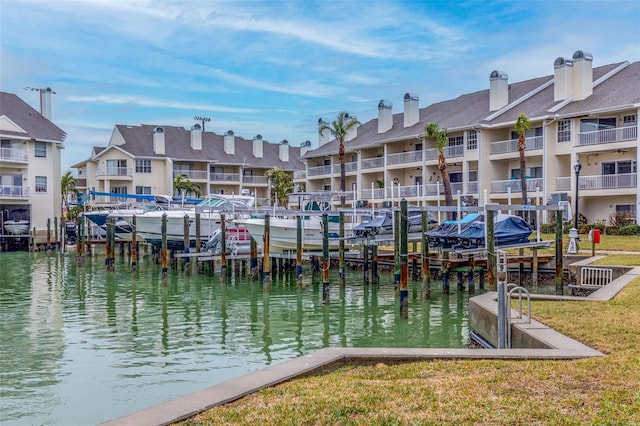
{"x": 275, "y": 67}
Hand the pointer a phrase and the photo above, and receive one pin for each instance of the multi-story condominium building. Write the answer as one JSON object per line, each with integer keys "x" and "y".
{"x": 30, "y": 147}
{"x": 146, "y": 159}
{"x": 577, "y": 113}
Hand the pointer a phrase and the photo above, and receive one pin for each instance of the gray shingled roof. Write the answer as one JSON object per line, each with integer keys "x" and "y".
{"x": 139, "y": 143}
{"x": 36, "y": 126}
{"x": 473, "y": 109}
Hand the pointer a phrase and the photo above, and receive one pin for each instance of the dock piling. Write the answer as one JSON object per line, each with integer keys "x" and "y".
{"x": 404, "y": 264}
{"x": 325, "y": 259}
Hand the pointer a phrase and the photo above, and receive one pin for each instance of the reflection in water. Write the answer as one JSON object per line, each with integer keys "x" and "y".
{"x": 80, "y": 341}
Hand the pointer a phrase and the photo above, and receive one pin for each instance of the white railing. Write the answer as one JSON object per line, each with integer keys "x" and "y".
{"x": 453, "y": 151}
{"x": 472, "y": 187}
{"x": 299, "y": 174}
{"x": 404, "y": 157}
{"x": 13, "y": 154}
{"x": 503, "y": 147}
{"x": 224, "y": 177}
{"x": 254, "y": 179}
{"x": 320, "y": 170}
{"x": 626, "y": 180}
{"x": 115, "y": 171}
{"x": 430, "y": 154}
{"x": 12, "y": 191}
{"x": 618, "y": 134}
{"x": 191, "y": 174}
{"x": 351, "y": 166}
{"x": 502, "y": 186}
{"x": 563, "y": 183}
{"x": 373, "y": 163}
{"x": 378, "y": 194}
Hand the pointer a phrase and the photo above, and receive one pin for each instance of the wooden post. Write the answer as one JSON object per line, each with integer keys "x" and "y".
{"x": 396, "y": 249}
{"x": 299, "y": 250}
{"x": 325, "y": 259}
{"x": 163, "y": 247}
{"x": 492, "y": 264}
{"x": 55, "y": 232}
{"x": 559, "y": 269}
{"x": 266, "y": 261}
{"x": 534, "y": 267}
{"x": 49, "y": 234}
{"x": 223, "y": 244}
{"x": 521, "y": 266}
{"x": 365, "y": 264}
{"x": 404, "y": 261}
{"x": 108, "y": 246}
{"x": 460, "y": 281}
{"x": 444, "y": 267}
{"x": 470, "y": 276}
{"x": 341, "y": 264}
{"x": 134, "y": 244}
{"x": 186, "y": 241}
{"x": 253, "y": 259}
{"x": 198, "y": 239}
{"x": 426, "y": 276}
{"x": 375, "y": 278}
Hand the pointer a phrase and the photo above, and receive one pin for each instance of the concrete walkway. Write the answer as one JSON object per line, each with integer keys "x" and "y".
{"x": 561, "y": 347}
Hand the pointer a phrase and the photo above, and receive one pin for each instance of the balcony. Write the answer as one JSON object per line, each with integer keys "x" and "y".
{"x": 625, "y": 180}
{"x": 320, "y": 170}
{"x": 225, "y": 177}
{"x": 191, "y": 174}
{"x": 299, "y": 174}
{"x": 254, "y": 180}
{"x": 503, "y": 186}
{"x": 563, "y": 184}
{"x": 505, "y": 147}
{"x": 404, "y": 158}
{"x": 114, "y": 172}
{"x": 14, "y": 192}
{"x": 373, "y": 163}
{"x": 617, "y": 134}
{"x": 348, "y": 167}
{"x": 14, "y": 155}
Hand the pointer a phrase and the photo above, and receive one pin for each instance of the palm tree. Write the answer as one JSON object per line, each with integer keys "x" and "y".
{"x": 522, "y": 125}
{"x": 67, "y": 185}
{"x": 339, "y": 129}
{"x": 433, "y": 131}
{"x": 281, "y": 185}
{"x": 183, "y": 183}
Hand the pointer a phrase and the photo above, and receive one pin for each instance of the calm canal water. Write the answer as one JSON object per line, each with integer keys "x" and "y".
{"x": 82, "y": 346}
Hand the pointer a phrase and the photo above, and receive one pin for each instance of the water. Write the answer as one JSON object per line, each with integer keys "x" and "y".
{"x": 82, "y": 346}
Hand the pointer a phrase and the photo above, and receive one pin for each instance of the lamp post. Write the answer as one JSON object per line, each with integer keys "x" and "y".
{"x": 573, "y": 232}
{"x": 576, "y": 168}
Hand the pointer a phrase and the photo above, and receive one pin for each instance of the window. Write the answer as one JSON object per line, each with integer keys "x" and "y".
{"x": 473, "y": 175}
{"x": 41, "y": 149}
{"x": 41, "y": 184}
{"x": 455, "y": 177}
{"x": 456, "y": 141}
{"x": 327, "y": 187}
{"x": 618, "y": 167}
{"x": 472, "y": 140}
{"x": 418, "y": 147}
{"x": 120, "y": 190}
{"x": 532, "y": 173}
{"x": 629, "y": 120}
{"x": 564, "y": 130}
{"x": 143, "y": 166}
{"x": 626, "y": 208}
{"x": 117, "y": 167}
{"x": 532, "y": 132}
{"x": 143, "y": 190}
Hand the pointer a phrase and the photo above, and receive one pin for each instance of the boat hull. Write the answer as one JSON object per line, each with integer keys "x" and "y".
{"x": 16, "y": 227}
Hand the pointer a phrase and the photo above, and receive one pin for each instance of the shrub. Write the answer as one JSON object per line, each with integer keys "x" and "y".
{"x": 629, "y": 230}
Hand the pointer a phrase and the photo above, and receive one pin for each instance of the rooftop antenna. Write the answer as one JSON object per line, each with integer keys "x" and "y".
{"x": 202, "y": 119}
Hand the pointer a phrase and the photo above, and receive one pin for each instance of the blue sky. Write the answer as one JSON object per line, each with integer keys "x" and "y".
{"x": 274, "y": 67}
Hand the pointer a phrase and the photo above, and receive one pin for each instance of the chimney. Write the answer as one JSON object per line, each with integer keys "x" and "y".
{"x": 196, "y": 137}
{"x": 325, "y": 136}
{"x": 411, "y": 110}
{"x": 229, "y": 143}
{"x": 257, "y": 146}
{"x": 354, "y": 131}
{"x": 284, "y": 151}
{"x": 582, "y": 75}
{"x": 45, "y": 102}
{"x": 498, "y": 90}
{"x": 562, "y": 79}
{"x": 158, "y": 141}
{"x": 385, "y": 116}
{"x": 304, "y": 148}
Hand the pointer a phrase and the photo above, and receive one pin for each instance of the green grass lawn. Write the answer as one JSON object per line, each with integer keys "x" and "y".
{"x": 597, "y": 391}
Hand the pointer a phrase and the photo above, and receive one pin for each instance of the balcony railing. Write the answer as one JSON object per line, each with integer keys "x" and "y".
{"x": 299, "y": 174}
{"x": 563, "y": 184}
{"x": 14, "y": 154}
{"x": 262, "y": 180}
{"x": 618, "y": 134}
{"x": 503, "y": 147}
{"x": 225, "y": 177}
{"x": 114, "y": 171}
{"x": 320, "y": 170}
{"x": 191, "y": 174}
{"x": 372, "y": 163}
{"x": 348, "y": 167}
{"x": 12, "y": 191}
{"x": 404, "y": 157}
{"x": 502, "y": 186}
{"x": 378, "y": 193}
{"x": 625, "y": 180}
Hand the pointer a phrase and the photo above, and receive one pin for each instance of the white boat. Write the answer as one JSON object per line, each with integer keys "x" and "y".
{"x": 16, "y": 227}
{"x": 283, "y": 232}
{"x": 149, "y": 224}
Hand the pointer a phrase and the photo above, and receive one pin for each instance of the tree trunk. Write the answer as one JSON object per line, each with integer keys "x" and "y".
{"x": 342, "y": 173}
{"x": 523, "y": 171}
{"x": 446, "y": 182}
